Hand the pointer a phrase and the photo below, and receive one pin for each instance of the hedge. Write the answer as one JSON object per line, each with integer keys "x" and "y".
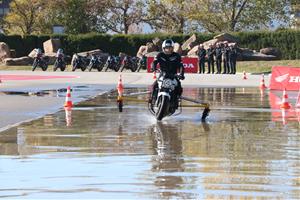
{"x": 288, "y": 41}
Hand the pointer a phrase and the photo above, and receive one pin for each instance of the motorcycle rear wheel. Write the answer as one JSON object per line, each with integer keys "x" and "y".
{"x": 44, "y": 67}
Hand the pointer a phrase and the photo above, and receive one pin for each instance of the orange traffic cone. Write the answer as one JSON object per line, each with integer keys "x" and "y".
{"x": 262, "y": 82}
{"x": 154, "y": 75}
{"x": 68, "y": 111}
{"x": 68, "y": 102}
{"x": 285, "y": 104}
{"x": 120, "y": 86}
{"x": 120, "y": 89}
{"x": 298, "y": 101}
{"x": 244, "y": 75}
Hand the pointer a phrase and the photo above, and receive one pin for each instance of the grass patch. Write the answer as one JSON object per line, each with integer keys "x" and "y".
{"x": 264, "y": 66}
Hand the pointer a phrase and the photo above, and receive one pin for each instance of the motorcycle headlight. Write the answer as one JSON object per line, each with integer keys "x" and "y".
{"x": 167, "y": 83}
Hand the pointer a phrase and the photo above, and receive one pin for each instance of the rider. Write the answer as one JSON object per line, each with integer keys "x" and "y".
{"x": 170, "y": 63}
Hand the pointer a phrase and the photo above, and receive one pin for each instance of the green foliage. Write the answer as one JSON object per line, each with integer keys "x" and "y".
{"x": 288, "y": 41}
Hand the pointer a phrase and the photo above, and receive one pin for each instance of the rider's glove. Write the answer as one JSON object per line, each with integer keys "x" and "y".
{"x": 181, "y": 76}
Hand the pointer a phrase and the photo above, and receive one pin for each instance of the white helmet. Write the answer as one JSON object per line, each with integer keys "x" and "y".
{"x": 168, "y": 43}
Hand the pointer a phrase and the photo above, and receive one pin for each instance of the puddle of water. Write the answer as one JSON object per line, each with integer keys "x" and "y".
{"x": 93, "y": 151}
{"x": 52, "y": 93}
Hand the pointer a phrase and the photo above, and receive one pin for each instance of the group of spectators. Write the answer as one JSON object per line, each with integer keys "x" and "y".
{"x": 222, "y": 52}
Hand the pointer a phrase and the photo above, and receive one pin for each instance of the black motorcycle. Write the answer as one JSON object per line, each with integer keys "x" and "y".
{"x": 40, "y": 61}
{"x": 60, "y": 63}
{"x": 80, "y": 62}
{"x": 113, "y": 63}
{"x": 129, "y": 63}
{"x": 141, "y": 63}
{"x": 96, "y": 63}
{"x": 165, "y": 102}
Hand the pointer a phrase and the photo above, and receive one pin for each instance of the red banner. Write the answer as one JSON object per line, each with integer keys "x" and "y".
{"x": 190, "y": 64}
{"x": 285, "y": 77}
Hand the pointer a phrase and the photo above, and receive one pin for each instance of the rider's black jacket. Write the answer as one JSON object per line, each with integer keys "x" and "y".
{"x": 170, "y": 64}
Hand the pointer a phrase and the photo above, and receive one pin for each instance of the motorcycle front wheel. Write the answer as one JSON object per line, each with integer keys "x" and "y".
{"x": 55, "y": 66}
{"x": 122, "y": 68}
{"x": 163, "y": 106}
{"x": 34, "y": 65}
{"x": 139, "y": 67}
{"x": 90, "y": 67}
{"x": 106, "y": 67}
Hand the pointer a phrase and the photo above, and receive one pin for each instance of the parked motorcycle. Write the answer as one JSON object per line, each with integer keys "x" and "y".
{"x": 129, "y": 63}
{"x": 40, "y": 61}
{"x": 141, "y": 63}
{"x": 113, "y": 63}
{"x": 80, "y": 62}
{"x": 60, "y": 62}
{"x": 166, "y": 102}
{"x": 96, "y": 63}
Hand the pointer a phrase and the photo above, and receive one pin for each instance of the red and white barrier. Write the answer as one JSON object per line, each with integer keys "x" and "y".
{"x": 190, "y": 64}
{"x": 285, "y": 77}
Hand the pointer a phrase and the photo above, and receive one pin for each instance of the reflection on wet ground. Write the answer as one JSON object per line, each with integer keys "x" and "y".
{"x": 245, "y": 150}
{"x": 52, "y": 93}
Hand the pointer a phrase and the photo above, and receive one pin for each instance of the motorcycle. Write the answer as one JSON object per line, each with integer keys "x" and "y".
{"x": 112, "y": 62}
{"x": 129, "y": 63}
{"x": 40, "y": 61}
{"x": 80, "y": 62}
{"x": 96, "y": 63}
{"x": 166, "y": 102}
{"x": 141, "y": 63}
{"x": 60, "y": 63}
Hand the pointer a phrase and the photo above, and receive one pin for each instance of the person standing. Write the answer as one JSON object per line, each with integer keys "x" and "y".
{"x": 225, "y": 55}
{"x": 201, "y": 55}
{"x": 218, "y": 53}
{"x": 210, "y": 59}
{"x": 232, "y": 58}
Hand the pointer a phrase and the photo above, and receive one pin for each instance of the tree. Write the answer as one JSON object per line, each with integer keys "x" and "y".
{"x": 74, "y": 16}
{"x": 295, "y": 5}
{"x": 118, "y": 15}
{"x": 236, "y": 15}
{"x": 167, "y": 15}
{"x": 22, "y": 16}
